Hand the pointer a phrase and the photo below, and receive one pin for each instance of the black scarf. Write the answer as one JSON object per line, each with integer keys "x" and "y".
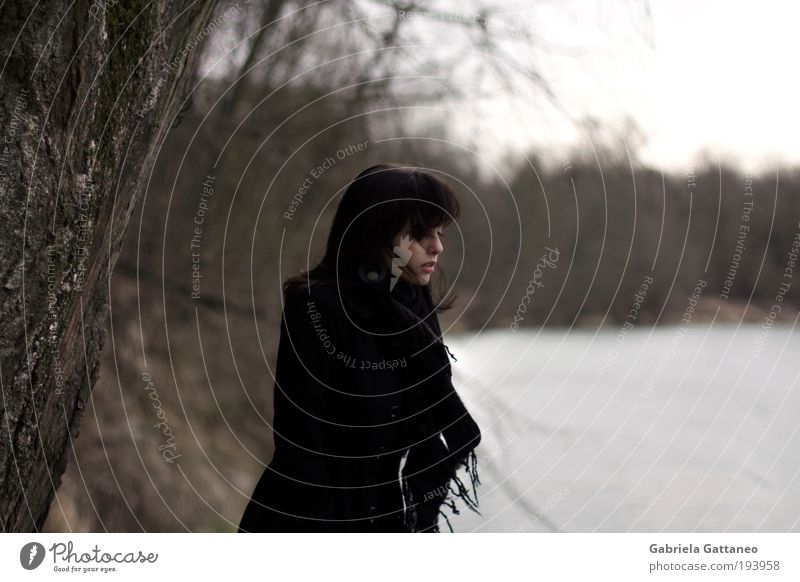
{"x": 429, "y": 475}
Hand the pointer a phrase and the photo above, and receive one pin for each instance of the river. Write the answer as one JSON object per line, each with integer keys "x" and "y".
{"x": 662, "y": 429}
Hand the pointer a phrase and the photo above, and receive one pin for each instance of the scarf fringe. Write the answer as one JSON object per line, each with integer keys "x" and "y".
{"x": 455, "y": 489}
{"x": 449, "y": 352}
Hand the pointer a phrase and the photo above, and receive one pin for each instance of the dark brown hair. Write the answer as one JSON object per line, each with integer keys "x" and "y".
{"x": 375, "y": 207}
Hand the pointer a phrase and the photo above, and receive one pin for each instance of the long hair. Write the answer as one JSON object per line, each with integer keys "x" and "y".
{"x": 376, "y": 205}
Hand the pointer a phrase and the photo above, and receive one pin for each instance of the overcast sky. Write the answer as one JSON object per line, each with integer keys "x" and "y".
{"x": 702, "y": 75}
{"x": 696, "y": 76}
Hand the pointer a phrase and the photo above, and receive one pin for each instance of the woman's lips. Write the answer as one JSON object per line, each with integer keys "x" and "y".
{"x": 428, "y": 267}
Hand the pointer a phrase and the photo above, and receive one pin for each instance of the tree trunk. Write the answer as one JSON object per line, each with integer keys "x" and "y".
{"x": 89, "y": 91}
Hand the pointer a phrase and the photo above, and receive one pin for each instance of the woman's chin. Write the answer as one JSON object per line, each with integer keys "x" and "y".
{"x": 418, "y": 278}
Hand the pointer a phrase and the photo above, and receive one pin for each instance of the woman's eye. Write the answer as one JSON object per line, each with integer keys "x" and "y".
{"x": 431, "y": 234}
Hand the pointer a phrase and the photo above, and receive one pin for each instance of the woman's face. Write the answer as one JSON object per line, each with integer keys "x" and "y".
{"x": 417, "y": 259}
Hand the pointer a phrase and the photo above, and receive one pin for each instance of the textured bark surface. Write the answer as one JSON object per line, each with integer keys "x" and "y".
{"x": 89, "y": 90}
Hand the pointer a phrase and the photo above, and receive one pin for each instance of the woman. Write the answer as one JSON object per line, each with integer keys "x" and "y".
{"x": 369, "y": 432}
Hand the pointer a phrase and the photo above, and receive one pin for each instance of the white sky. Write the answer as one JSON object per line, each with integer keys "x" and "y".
{"x": 708, "y": 76}
{"x": 714, "y": 76}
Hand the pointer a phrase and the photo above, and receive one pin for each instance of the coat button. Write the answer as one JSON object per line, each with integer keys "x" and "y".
{"x": 394, "y": 411}
{"x": 372, "y": 511}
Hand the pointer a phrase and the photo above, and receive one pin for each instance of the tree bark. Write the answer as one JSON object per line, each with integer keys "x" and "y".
{"x": 89, "y": 91}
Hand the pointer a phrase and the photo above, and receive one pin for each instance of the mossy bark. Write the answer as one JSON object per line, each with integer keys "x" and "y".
{"x": 89, "y": 91}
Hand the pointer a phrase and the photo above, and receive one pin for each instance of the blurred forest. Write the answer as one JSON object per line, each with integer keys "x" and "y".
{"x": 287, "y": 101}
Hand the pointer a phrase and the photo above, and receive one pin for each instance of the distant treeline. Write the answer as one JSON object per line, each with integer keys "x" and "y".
{"x": 636, "y": 243}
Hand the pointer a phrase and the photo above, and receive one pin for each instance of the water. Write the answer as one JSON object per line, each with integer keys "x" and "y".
{"x": 662, "y": 429}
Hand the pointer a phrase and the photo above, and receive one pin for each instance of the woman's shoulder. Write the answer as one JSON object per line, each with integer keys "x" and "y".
{"x": 342, "y": 302}
{"x": 320, "y": 295}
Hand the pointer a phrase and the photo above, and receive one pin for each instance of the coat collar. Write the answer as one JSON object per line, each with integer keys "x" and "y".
{"x": 360, "y": 296}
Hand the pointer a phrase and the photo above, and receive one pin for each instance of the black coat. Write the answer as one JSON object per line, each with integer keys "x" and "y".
{"x": 338, "y": 420}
